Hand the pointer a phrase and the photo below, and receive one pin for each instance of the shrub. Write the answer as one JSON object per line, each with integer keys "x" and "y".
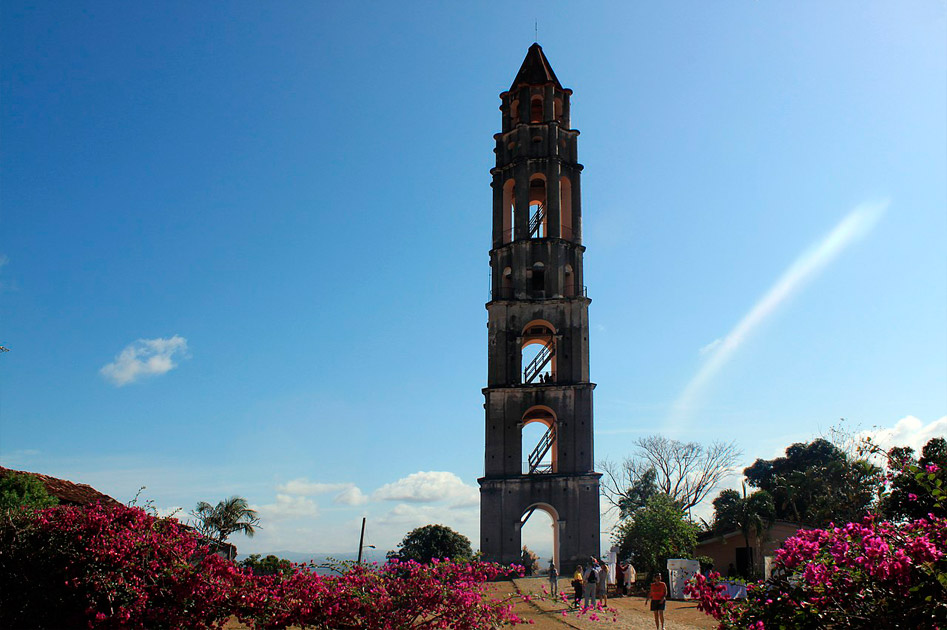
{"x": 395, "y": 595}
{"x": 868, "y": 574}
{"x": 19, "y": 490}
{"x": 108, "y": 567}
{"x": 120, "y": 567}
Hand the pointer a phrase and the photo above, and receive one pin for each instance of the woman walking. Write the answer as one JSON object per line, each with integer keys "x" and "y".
{"x": 657, "y": 596}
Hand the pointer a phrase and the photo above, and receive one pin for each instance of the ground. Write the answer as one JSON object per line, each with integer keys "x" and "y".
{"x": 630, "y": 613}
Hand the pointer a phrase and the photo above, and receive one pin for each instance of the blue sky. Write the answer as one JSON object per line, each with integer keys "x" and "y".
{"x": 280, "y": 214}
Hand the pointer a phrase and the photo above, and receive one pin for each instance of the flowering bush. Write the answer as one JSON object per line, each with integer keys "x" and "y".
{"x": 120, "y": 567}
{"x": 396, "y": 595}
{"x": 870, "y": 574}
{"x": 108, "y": 567}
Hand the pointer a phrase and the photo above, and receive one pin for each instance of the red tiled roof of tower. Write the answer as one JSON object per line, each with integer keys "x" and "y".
{"x": 66, "y": 491}
{"x": 535, "y": 69}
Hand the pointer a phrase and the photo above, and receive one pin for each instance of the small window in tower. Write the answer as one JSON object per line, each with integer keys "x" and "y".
{"x": 537, "y": 283}
{"x": 515, "y": 112}
{"x": 536, "y": 110}
{"x": 557, "y": 106}
{"x": 568, "y": 281}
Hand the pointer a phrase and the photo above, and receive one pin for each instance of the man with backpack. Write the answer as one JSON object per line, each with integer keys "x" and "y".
{"x": 592, "y": 577}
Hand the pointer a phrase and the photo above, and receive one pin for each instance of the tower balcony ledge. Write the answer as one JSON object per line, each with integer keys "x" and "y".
{"x": 549, "y": 300}
{"x": 539, "y": 479}
{"x": 543, "y": 239}
{"x": 506, "y": 134}
{"x": 531, "y": 386}
{"x": 502, "y": 167}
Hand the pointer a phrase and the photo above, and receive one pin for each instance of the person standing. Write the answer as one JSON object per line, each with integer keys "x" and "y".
{"x": 553, "y": 579}
{"x": 591, "y": 576}
{"x": 631, "y": 576}
{"x": 577, "y": 583}
{"x": 602, "y": 583}
{"x": 620, "y": 579}
{"x": 658, "y": 597}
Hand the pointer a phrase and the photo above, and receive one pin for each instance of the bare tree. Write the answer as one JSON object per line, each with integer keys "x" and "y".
{"x": 685, "y": 471}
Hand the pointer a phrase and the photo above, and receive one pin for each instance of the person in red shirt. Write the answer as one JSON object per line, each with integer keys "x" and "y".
{"x": 657, "y": 596}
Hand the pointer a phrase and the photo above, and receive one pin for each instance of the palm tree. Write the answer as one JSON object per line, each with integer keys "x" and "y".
{"x": 227, "y": 517}
{"x": 747, "y": 513}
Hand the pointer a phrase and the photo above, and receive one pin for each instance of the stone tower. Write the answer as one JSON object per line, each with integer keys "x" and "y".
{"x": 538, "y": 330}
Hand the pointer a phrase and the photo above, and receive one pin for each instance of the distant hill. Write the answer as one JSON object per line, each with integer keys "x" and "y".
{"x": 369, "y": 555}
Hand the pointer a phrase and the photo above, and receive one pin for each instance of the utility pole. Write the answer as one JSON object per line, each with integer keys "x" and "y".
{"x": 361, "y": 541}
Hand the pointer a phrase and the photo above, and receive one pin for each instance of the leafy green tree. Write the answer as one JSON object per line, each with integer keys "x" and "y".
{"x": 817, "y": 483}
{"x": 270, "y": 565}
{"x": 908, "y": 499}
{"x": 656, "y": 532}
{"x": 18, "y": 490}
{"x": 754, "y": 513}
{"x": 530, "y": 561}
{"x": 433, "y": 541}
{"x": 230, "y": 516}
{"x": 636, "y": 496}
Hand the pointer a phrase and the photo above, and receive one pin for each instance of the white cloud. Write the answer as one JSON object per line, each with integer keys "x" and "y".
{"x": 351, "y": 496}
{"x": 428, "y": 487}
{"x": 909, "y": 431}
{"x": 404, "y": 517}
{"x": 144, "y": 358}
{"x": 809, "y": 264}
{"x": 308, "y": 488}
{"x": 348, "y": 492}
{"x": 286, "y": 507}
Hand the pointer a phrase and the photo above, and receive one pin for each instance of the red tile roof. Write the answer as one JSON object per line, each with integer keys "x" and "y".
{"x": 67, "y": 492}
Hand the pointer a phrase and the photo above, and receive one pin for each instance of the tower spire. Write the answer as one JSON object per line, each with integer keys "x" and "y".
{"x": 535, "y": 70}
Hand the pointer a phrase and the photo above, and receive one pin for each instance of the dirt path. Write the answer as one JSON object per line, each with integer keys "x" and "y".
{"x": 625, "y": 613}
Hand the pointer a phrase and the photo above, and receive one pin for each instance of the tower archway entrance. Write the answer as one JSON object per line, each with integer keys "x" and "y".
{"x": 539, "y": 531}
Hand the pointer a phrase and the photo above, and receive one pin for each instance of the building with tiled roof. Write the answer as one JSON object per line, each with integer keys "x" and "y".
{"x": 68, "y": 492}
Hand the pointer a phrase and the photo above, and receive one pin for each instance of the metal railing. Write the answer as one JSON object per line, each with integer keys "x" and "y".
{"x": 508, "y": 293}
{"x": 536, "y": 220}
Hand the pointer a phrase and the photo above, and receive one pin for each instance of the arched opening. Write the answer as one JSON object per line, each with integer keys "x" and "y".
{"x": 538, "y": 353}
{"x": 539, "y": 532}
{"x": 536, "y": 109}
{"x": 515, "y": 112}
{"x": 539, "y": 443}
{"x": 565, "y": 207}
{"x": 509, "y": 197}
{"x": 506, "y": 283}
{"x": 557, "y": 108}
{"x": 537, "y": 207}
